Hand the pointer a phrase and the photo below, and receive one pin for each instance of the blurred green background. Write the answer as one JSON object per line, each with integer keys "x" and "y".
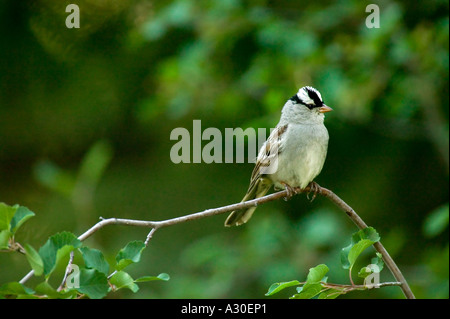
{"x": 86, "y": 116}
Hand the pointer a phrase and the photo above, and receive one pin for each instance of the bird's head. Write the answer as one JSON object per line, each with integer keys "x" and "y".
{"x": 306, "y": 106}
{"x": 309, "y": 97}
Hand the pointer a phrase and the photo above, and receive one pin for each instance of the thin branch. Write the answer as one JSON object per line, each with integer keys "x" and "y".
{"x": 68, "y": 270}
{"x": 149, "y": 236}
{"x": 350, "y": 276}
{"x": 359, "y": 287}
{"x": 390, "y": 263}
{"x": 343, "y": 288}
{"x": 155, "y": 225}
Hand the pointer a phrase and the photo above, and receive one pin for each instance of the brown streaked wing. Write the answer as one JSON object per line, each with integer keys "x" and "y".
{"x": 272, "y": 149}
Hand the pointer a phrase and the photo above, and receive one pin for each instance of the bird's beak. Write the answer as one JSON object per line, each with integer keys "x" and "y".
{"x": 325, "y": 108}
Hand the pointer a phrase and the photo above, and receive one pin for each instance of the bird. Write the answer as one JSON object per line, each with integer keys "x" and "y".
{"x": 293, "y": 154}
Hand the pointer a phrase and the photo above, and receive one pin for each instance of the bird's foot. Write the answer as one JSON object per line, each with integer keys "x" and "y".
{"x": 313, "y": 188}
{"x": 290, "y": 191}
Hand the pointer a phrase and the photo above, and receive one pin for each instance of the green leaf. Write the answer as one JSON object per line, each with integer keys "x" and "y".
{"x": 131, "y": 253}
{"x": 278, "y": 286}
{"x": 369, "y": 233}
{"x": 376, "y": 261}
{"x": 93, "y": 283}
{"x": 57, "y": 247}
{"x": 313, "y": 285}
{"x": 357, "y": 249}
{"x": 364, "y": 272}
{"x": 316, "y": 274}
{"x": 344, "y": 256}
{"x": 11, "y": 218}
{"x": 122, "y": 279}
{"x": 162, "y": 276}
{"x": 15, "y": 288}
{"x": 5, "y": 235}
{"x": 21, "y": 216}
{"x": 44, "y": 288}
{"x": 360, "y": 241}
{"x": 309, "y": 291}
{"x": 6, "y": 214}
{"x": 330, "y": 294}
{"x": 93, "y": 258}
{"x": 34, "y": 259}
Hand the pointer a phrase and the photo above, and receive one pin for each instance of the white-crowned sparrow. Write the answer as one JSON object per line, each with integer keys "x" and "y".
{"x": 294, "y": 153}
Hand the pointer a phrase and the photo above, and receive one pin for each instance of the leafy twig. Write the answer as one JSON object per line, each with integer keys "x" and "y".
{"x": 361, "y": 287}
{"x": 378, "y": 246}
{"x": 343, "y": 289}
{"x": 155, "y": 225}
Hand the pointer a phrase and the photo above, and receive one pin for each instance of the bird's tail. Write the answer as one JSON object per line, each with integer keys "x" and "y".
{"x": 239, "y": 217}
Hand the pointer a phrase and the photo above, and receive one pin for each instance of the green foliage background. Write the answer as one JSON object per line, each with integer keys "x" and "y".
{"x": 86, "y": 115}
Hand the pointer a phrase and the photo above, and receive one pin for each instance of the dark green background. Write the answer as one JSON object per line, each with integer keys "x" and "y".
{"x": 135, "y": 70}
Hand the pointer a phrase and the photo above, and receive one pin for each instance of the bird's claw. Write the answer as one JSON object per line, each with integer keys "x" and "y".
{"x": 313, "y": 188}
{"x": 290, "y": 191}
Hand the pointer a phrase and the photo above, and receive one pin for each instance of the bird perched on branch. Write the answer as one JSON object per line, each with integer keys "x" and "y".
{"x": 294, "y": 153}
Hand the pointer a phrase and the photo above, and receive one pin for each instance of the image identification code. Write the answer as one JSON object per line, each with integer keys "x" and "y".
{"x": 231, "y": 308}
